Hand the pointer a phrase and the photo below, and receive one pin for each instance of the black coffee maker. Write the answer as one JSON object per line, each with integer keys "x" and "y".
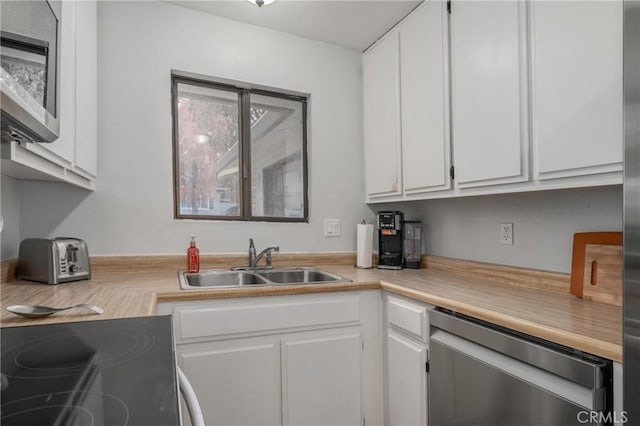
{"x": 390, "y": 236}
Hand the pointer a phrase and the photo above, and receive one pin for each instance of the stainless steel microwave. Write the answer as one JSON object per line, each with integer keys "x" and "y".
{"x": 29, "y": 70}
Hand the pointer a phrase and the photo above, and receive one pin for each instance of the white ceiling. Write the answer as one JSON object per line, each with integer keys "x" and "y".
{"x": 351, "y": 24}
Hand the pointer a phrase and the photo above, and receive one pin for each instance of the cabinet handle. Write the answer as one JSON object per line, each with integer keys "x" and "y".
{"x": 594, "y": 272}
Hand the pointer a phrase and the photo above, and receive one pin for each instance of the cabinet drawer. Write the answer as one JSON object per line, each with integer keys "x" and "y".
{"x": 408, "y": 316}
{"x": 263, "y": 316}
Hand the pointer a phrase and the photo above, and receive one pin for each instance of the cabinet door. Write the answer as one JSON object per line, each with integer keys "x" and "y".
{"x": 618, "y": 407}
{"x": 86, "y": 88}
{"x": 322, "y": 378}
{"x": 62, "y": 150}
{"x": 237, "y": 381}
{"x": 381, "y": 87}
{"x": 406, "y": 381}
{"x": 488, "y": 92}
{"x": 576, "y": 87}
{"x": 72, "y": 157}
{"x": 424, "y": 97}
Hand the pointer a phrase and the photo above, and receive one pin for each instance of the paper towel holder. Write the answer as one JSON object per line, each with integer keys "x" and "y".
{"x": 364, "y": 222}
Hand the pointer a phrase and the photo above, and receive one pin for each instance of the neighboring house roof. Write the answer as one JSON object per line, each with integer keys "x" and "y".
{"x": 271, "y": 118}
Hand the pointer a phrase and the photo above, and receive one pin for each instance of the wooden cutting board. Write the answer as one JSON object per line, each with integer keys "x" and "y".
{"x": 596, "y": 267}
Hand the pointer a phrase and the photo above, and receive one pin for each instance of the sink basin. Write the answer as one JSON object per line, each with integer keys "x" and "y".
{"x": 299, "y": 276}
{"x": 219, "y": 279}
{"x": 283, "y": 276}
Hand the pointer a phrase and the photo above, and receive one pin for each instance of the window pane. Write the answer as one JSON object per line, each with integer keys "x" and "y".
{"x": 208, "y": 151}
{"x": 277, "y": 187}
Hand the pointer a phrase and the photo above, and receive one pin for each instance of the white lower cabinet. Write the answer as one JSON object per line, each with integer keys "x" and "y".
{"x": 237, "y": 381}
{"x": 406, "y": 353}
{"x": 322, "y": 378}
{"x": 317, "y": 359}
{"x": 406, "y": 381}
{"x": 283, "y": 360}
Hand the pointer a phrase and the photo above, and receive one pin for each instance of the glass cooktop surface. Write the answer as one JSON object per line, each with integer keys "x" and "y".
{"x": 94, "y": 373}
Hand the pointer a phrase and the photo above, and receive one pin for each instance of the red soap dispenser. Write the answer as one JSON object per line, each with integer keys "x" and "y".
{"x": 193, "y": 256}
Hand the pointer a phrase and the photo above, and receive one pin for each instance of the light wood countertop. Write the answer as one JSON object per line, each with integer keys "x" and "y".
{"x": 544, "y": 310}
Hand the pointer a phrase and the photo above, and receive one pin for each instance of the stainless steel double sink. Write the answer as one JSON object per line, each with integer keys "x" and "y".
{"x": 259, "y": 277}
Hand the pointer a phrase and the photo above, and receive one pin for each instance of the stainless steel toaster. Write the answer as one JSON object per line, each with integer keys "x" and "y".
{"x": 53, "y": 261}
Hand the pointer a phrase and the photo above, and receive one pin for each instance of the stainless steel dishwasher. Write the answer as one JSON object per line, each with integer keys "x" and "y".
{"x": 481, "y": 374}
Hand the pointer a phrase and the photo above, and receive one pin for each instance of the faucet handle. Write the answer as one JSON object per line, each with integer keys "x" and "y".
{"x": 269, "y": 250}
{"x": 268, "y": 256}
{"x": 251, "y": 242}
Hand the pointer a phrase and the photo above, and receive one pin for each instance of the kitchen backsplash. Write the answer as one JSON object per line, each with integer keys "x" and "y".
{"x": 543, "y": 225}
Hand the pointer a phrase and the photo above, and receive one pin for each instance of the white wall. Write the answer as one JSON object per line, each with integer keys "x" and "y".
{"x": 131, "y": 212}
{"x": 543, "y": 225}
{"x": 10, "y": 211}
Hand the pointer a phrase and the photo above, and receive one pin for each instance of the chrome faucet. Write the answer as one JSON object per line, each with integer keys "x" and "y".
{"x": 255, "y": 258}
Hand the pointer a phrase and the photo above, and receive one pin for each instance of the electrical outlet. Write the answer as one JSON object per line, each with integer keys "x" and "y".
{"x": 506, "y": 233}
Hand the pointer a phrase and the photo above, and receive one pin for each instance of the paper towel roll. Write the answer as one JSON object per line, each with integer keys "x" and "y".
{"x": 365, "y": 246}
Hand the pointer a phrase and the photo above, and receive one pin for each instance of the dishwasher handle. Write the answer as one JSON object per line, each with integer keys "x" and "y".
{"x": 190, "y": 399}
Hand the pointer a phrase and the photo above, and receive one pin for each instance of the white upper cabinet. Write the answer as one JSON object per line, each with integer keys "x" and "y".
{"x": 489, "y": 92}
{"x": 424, "y": 100}
{"x": 381, "y": 85}
{"x": 406, "y": 123}
{"x": 86, "y": 88}
{"x": 513, "y": 96}
{"x": 62, "y": 150}
{"x": 71, "y": 158}
{"x": 576, "y": 51}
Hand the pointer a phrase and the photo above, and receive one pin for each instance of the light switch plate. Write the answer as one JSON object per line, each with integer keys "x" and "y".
{"x": 332, "y": 227}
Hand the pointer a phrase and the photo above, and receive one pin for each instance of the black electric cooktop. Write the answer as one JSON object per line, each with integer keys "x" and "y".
{"x": 95, "y": 373}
